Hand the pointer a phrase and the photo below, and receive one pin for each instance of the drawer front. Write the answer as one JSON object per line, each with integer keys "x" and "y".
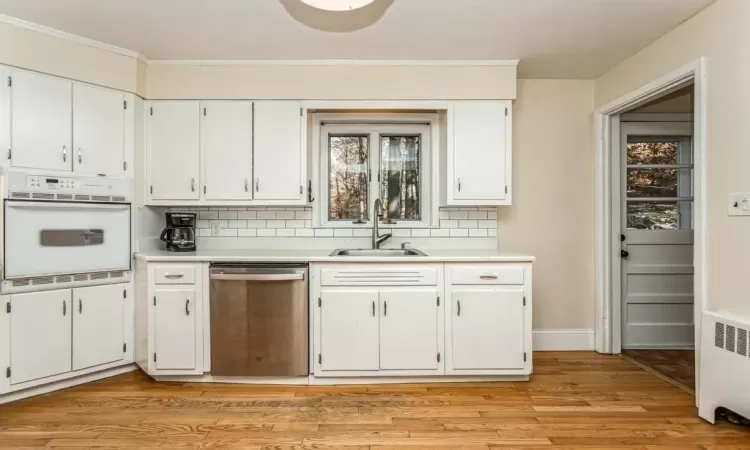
{"x": 379, "y": 277}
{"x": 174, "y": 274}
{"x": 486, "y": 274}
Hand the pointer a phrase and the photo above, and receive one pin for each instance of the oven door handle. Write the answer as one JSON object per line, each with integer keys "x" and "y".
{"x": 258, "y": 277}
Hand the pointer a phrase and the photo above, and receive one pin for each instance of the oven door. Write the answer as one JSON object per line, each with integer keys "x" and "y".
{"x": 46, "y": 238}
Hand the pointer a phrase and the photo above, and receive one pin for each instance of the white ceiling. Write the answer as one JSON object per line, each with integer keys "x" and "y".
{"x": 552, "y": 38}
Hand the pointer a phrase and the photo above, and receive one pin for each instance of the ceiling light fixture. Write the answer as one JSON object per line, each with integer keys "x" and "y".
{"x": 338, "y": 5}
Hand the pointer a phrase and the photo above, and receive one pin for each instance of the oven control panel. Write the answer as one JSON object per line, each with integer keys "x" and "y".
{"x": 53, "y": 183}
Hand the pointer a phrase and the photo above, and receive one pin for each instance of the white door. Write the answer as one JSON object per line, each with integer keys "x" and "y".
{"x": 174, "y": 144}
{"x": 174, "y": 329}
{"x": 227, "y": 149}
{"x": 51, "y": 238}
{"x": 98, "y": 130}
{"x": 41, "y": 121}
{"x": 349, "y": 330}
{"x": 40, "y": 327}
{"x": 408, "y": 330}
{"x": 657, "y": 237}
{"x": 479, "y": 150}
{"x": 98, "y": 325}
{"x": 278, "y": 150}
{"x": 487, "y": 329}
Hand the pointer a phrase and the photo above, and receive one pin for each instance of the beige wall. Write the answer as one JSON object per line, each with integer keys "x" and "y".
{"x": 38, "y": 51}
{"x": 552, "y": 216}
{"x": 331, "y": 82}
{"x": 721, "y": 33}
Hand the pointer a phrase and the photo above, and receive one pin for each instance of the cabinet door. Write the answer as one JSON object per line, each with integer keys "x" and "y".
{"x": 227, "y": 149}
{"x": 278, "y": 151}
{"x": 479, "y": 150}
{"x": 98, "y": 325}
{"x": 175, "y": 329}
{"x": 41, "y": 121}
{"x": 349, "y": 330}
{"x": 174, "y": 159}
{"x": 488, "y": 329}
{"x": 40, "y": 327}
{"x": 408, "y": 330}
{"x": 98, "y": 130}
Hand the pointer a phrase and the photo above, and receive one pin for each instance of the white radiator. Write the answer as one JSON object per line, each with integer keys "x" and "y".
{"x": 725, "y": 365}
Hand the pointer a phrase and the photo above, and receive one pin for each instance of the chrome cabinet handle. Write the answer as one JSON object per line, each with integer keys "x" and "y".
{"x": 65, "y": 154}
{"x": 459, "y": 185}
{"x": 65, "y": 308}
{"x": 192, "y": 184}
{"x": 257, "y": 184}
{"x": 488, "y": 277}
{"x": 373, "y": 309}
{"x": 174, "y": 275}
{"x": 187, "y": 307}
{"x": 458, "y": 313}
{"x": 80, "y": 156}
{"x": 246, "y": 184}
{"x": 385, "y": 308}
{"x": 80, "y": 306}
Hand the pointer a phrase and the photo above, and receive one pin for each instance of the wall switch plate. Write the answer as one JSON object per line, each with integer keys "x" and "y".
{"x": 215, "y": 228}
{"x": 739, "y": 204}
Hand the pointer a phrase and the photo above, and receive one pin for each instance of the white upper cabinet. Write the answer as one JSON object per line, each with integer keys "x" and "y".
{"x": 280, "y": 167}
{"x": 173, "y": 150}
{"x": 41, "y": 121}
{"x": 478, "y": 158}
{"x": 227, "y": 150}
{"x": 98, "y": 130}
{"x": 98, "y": 325}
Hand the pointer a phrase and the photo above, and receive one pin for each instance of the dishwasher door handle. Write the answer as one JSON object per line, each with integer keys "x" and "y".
{"x": 258, "y": 277}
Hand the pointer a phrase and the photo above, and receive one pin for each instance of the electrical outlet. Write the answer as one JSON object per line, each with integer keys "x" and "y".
{"x": 215, "y": 228}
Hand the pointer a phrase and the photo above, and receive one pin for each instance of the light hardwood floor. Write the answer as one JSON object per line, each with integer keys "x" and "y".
{"x": 574, "y": 401}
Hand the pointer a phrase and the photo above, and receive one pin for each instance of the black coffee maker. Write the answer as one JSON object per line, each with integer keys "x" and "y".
{"x": 180, "y": 232}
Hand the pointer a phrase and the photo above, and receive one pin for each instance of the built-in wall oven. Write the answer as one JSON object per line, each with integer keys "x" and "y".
{"x": 64, "y": 230}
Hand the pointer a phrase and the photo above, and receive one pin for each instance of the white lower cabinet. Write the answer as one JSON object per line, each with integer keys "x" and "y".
{"x": 349, "y": 330}
{"x": 487, "y": 329}
{"x": 174, "y": 329}
{"x": 40, "y": 327}
{"x": 409, "y": 330}
{"x": 98, "y": 325}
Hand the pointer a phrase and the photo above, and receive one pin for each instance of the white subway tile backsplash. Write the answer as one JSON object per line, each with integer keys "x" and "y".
{"x": 467, "y": 224}
{"x": 247, "y": 214}
{"x": 449, "y": 224}
{"x": 285, "y": 232}
{"x": 459, "y": 232}
{"x": 266, "y": 214}
{"x": 459, "y": 215}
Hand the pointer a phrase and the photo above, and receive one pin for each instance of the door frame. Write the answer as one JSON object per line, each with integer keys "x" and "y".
{"x": 608, "y": 268}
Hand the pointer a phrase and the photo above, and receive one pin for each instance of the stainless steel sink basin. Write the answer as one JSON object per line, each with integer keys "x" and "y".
{"x": 383, "y": 252}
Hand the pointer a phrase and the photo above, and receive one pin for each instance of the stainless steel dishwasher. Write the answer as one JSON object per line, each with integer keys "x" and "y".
{"x": 259, "y": 320}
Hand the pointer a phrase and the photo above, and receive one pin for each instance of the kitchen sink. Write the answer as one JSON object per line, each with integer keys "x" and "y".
{"x": 384, "y": 252}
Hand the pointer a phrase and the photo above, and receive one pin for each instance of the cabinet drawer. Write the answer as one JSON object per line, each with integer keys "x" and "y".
{"x": 386, "y": 276}
{"x": 174, "y": 274}
{"x": 486, "y": 274}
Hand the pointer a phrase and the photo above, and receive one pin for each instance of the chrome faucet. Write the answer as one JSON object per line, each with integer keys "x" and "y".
{"x": 377, "y": 213}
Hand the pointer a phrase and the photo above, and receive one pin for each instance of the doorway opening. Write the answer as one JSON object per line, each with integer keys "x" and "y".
{"x": 656, "y": 236}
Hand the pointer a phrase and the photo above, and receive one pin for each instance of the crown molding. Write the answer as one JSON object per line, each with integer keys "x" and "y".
{"x": 335, "y": 62}
{"x": 70, "y": 37}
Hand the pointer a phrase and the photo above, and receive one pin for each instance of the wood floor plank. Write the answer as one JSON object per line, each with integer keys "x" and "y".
{"x": 575, "y": 400}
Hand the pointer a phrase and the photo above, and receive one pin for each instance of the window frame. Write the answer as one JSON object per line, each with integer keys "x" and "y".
{"x": 374, "y": 125}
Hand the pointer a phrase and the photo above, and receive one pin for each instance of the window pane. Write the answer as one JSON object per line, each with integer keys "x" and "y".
{"x": 399, "y": 177}
{"x": 347, "y": 183}
{"x": 653, "y": 152}
{"x": 656, "y": 182}
{"x": 652, "y": 216}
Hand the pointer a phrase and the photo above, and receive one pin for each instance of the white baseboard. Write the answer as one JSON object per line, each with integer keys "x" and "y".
{"x": 70, "y": 382}
{"x": 564, "y": 340}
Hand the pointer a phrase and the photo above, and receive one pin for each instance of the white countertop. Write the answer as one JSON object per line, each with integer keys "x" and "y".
{"x": 308, "y": 255}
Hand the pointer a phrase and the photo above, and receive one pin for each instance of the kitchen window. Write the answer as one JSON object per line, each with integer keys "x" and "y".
{"x": 363, "y": 162}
